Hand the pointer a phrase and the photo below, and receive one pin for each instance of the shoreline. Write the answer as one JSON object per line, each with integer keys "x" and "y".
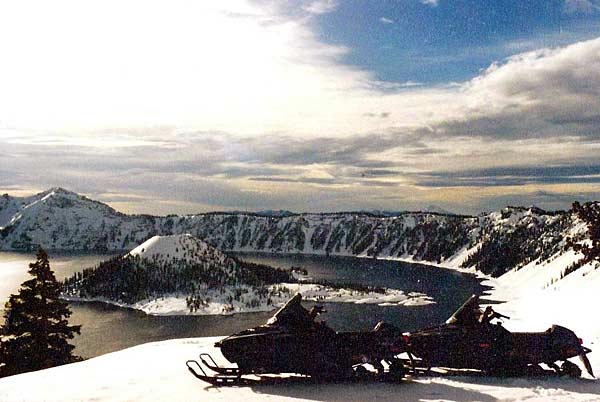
{"x": 175, "y": 304}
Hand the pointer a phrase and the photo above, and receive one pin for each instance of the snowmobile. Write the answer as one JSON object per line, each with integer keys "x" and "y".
{"x": 469, "y": 340}
{"x": 292, "y": 341}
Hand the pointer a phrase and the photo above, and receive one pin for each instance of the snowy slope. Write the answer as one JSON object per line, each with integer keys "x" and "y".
{"x": 157, "y": 372}
{"x": 62, "y": 220}
{"x": 536, "y": 299}
{"x": 59, "y": 219}
{"x": 561, "y": 288}
{"x": 9, "y": 207}
{"x": 184, "y": 247}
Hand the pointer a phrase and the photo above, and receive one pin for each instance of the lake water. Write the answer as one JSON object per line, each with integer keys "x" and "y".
{"x": 107, "y": 328}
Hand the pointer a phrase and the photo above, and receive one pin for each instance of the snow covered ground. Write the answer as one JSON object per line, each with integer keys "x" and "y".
{"x": 157, "y": 372}
{"x": 535, "y": 297}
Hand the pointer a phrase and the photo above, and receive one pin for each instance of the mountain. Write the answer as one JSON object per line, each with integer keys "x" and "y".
{"x": 437, "y": 209}
{"x": 178, "y": 247}
{"x": 492, "y": 243}
{"x": 59, "y": 219}
{"x": 62, "y": 220}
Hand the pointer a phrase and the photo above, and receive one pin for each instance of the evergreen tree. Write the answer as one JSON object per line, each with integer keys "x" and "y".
{"x": 36, "y": 331}
{"x": 590, "y": 214}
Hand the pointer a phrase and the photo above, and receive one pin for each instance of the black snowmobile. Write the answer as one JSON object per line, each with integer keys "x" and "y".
{"x": 292, "y": 341}
{"x": 469, "y": 340}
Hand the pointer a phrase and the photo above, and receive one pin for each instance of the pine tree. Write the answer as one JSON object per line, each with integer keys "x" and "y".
{"x": 36, "y": 331}
{"x": 590, "y": 214}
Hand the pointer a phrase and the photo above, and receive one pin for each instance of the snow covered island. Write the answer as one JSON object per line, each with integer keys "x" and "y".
{"x": 180, "y": 274}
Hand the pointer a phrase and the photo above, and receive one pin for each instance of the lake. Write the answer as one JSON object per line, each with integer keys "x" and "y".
{"x": 107, "y": 328}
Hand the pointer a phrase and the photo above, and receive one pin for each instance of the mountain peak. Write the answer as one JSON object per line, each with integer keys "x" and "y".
{"x": 181, "y": 246}
{"x": 61, "y": 190}
{"x": 53, "y": 191}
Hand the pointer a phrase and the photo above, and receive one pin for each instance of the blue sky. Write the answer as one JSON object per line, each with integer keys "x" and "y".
{"x": 307, "y": 105}
{"x": 451, "y": 41}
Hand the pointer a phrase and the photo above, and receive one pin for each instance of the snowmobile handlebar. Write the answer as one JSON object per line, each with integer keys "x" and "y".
{"x": 489, "y": 314}
{"x": 501, "y": 315}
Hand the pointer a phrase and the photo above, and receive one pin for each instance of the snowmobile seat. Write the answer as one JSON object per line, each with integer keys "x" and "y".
{"x": 383, "y": 327}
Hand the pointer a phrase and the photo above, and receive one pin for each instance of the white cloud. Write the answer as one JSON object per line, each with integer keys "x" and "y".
{"x": 321, "y": 6}
{"x": 71, "y": 66}
{"x": 248, "y": 70}
{"x": 411, "y": 84}
{"x": 432, "y": 3}
{"x": 385, "y": 20}
{"x": 245, "y": 70}
{"x": 546, "y": 93}
{"x": 581, "y": 7}
{"x": 206, "y": 96}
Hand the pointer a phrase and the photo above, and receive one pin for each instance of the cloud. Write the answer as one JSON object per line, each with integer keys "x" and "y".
{"x": 206, "y": 63}
{"x": 381, "y": 115}
{"x": 275, "y": 76}
{"x": 581, "y": 7}
{"x": 543, "y": 94}
{"x": 409, "y": 84}
{"x": 513, "y": 176}
{"x": 432, "y": 3}
{"x": 321, "y": 6}
{"x": 385, "y": 20}
{"x": 242, "y": 106}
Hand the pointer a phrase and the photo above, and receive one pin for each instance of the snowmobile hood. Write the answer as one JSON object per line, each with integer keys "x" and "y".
{"x": 292, "y": 317}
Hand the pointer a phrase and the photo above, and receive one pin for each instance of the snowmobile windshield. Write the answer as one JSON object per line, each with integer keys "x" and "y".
{"x": 467, "y": 314}
{"x": 292, "y": 314}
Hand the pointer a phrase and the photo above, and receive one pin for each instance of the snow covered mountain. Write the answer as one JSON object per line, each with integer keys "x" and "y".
{"x": 492, "y": 243}
{"x": 62, "y": 220}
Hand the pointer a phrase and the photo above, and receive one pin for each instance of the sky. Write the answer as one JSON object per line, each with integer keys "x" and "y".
{"x": 314, "y": 105}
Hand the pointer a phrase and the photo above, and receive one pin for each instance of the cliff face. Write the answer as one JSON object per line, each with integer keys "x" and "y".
{"x": 492, "y": 243}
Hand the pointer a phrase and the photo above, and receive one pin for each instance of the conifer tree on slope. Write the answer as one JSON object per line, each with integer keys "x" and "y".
{"x": 36, "y": 331}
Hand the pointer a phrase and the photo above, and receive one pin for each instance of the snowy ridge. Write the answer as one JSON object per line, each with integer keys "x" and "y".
{"x": 491, "y": 243}
{"x": 61, "y": 220}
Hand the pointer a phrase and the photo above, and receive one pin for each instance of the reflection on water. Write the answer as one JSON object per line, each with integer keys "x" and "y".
{"x": 108, "y": 328}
